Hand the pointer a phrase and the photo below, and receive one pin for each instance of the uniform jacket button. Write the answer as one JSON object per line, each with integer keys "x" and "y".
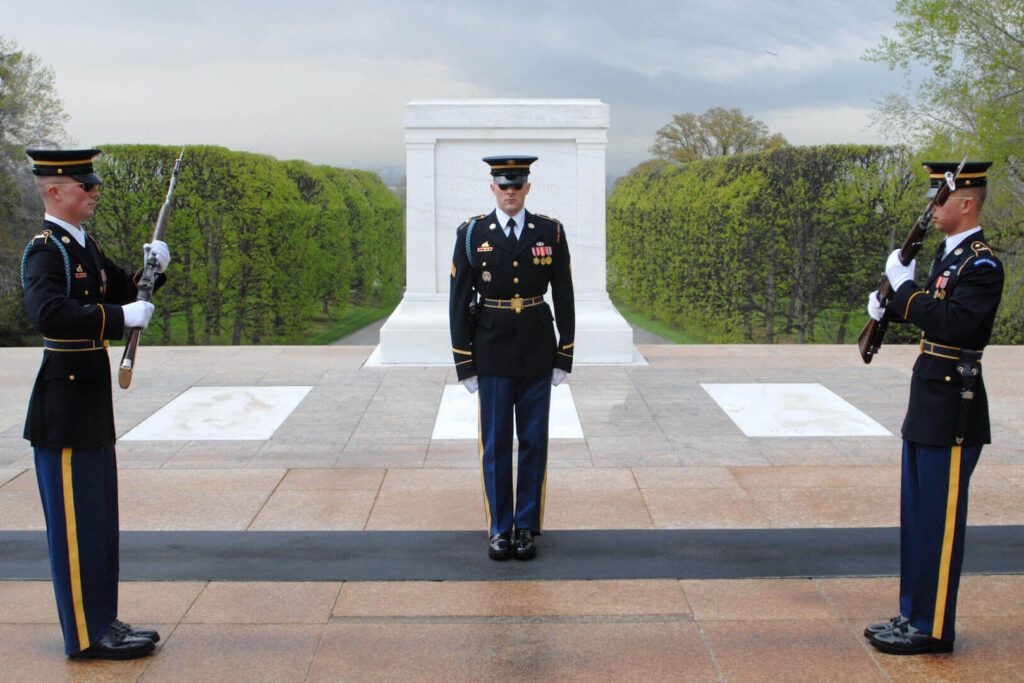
{"x": 515, "y": 280}
{"x": 515, "y": 264}
{"x": 71, "y": 377}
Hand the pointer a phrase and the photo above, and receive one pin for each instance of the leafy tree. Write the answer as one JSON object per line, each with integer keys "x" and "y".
{"x": 261, "y": 246}
{"x": 716, "y": 132}
{"x": 30, "y": 113}
{"x": 761, "y": 247}
{"x": 971, "y": 102}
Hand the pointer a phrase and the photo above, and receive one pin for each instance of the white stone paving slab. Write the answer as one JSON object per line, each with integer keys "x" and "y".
{"x": 457, "y": 416}
{"x": 791, "y": 410}
{"x": 221, "y": 414}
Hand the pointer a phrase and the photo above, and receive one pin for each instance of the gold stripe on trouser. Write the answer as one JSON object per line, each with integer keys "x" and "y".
{"x": 480, "y": 447}
{"x": 952, "y": 498}
{"x": 543, "y": 497}
{"x": 72, "y": 530}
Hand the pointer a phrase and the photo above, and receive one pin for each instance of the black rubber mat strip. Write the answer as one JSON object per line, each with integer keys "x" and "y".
{"x": 462, "y": 555}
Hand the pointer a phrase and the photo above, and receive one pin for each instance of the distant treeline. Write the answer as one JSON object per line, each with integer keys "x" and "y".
{"x": 775, "y": 246}
{"x": 260, "y": 246}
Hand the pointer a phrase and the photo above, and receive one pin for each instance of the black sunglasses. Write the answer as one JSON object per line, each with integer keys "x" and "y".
{"x": 513, "y": 186}
{"x": 86, "y": 187}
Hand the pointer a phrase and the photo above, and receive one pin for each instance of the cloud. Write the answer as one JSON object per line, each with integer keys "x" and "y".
{"x": 326, "y": 81}
{"x": 824, "y": 125}
{"x": 727, "y": 63}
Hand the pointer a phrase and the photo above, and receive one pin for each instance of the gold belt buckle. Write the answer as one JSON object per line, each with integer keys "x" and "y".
{"x": 517, "y": 303}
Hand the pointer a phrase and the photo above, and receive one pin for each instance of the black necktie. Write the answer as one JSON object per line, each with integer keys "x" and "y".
{"x": 512, "y": 233}
{"x": 940, "y": 254}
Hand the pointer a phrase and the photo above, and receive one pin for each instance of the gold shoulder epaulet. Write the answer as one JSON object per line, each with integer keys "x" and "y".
{"x": 553, "y": 220}
{"x": 979, "y": 248}
{"x": 44, "y": 235}
{"x": 471, "y": 218}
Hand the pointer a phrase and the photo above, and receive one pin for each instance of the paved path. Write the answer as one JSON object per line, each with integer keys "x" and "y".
{"x": 370, "y": 336}
{"x": 355, "y": 462}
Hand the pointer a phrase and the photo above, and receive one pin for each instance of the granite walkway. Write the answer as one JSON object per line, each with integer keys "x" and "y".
{"x": 356, "y": 456}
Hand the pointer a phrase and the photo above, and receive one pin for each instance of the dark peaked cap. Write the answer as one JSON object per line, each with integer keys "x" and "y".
{"x": 76, "y": 163}
{"x": 975, "y": 174}
{"x": 509, "y": 169}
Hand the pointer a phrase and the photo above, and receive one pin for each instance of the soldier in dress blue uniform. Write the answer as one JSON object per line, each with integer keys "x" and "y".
{"x": 78, "y": 300}
{"x": 947, "y": 421}
{"x": 504, "y": 343}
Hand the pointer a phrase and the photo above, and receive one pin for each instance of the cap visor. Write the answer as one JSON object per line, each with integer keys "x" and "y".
{"x": 90, "y": 178}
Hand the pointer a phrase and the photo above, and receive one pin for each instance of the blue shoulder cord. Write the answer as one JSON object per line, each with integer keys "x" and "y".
{"x": 63, "y": 253}
{"x": 469, "y": 236}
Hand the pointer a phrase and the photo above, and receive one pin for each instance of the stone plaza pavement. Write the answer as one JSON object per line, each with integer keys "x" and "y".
{"x": 356, "y": 455}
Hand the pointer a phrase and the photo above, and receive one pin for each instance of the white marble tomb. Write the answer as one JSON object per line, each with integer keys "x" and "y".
{"x": 447, "y": 182}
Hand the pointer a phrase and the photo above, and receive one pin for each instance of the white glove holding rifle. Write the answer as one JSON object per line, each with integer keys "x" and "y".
{"x": 160, "y": 250}
{"x": 137, "y": 314}
{"x": 897, "y": 272}
{"x": 875, "y": 309}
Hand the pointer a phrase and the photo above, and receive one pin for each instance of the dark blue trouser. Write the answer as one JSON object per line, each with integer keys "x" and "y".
{"x": 79, "y": 493}
{"x": 529, "y": 400}
{"x": 933, "y": 522}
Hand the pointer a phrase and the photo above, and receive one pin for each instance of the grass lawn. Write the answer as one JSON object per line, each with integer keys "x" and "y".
{"x": 353, "y": 319}
{"x": 657, "y": 327}
{"x": 323, "y": 329}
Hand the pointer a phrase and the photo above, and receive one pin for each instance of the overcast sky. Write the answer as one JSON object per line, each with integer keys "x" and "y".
{"x": 326, "y": 81}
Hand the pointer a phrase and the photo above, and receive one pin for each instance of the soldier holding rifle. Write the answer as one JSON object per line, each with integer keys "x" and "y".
{"x": 78, "y": 300}
{"x": 947, "y": 420}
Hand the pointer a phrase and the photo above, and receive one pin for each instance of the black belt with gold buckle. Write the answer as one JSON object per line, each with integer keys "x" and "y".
{"x": 515, "y": 304}
{"x": 74, "y": 344}
{"x": 944, "y": 351}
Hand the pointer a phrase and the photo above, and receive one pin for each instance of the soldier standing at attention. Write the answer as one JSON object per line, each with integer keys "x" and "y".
{"x": 947, "y": 420}
{"x": 78, "y": 299}
{"x": 507, "y": 348}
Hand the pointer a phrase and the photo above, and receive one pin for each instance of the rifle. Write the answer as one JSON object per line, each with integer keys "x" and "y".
{"x": 870, "y": 339}
{"x": 147, "y": 281}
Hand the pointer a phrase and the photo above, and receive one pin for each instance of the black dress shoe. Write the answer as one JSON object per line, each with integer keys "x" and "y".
{"x": 896, "y": 622}
{"x": 500, "y": 546}
{"x": 907, "y": 640}
{"x": 129, "y": 630}
{"x": 523, "y": 548}
{"x": 116, "y": 646}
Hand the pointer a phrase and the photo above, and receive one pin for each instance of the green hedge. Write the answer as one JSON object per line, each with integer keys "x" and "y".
{"x": 260, "y": 247}
{"x": 779, "y": 246}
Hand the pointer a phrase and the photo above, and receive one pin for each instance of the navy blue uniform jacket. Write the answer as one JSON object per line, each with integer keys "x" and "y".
{"x": 71, "y": 404}
{"x": 956, "y": 308}
{"x": 505, "y": 343}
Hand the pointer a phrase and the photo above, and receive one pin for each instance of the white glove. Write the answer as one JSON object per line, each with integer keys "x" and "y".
{"x": 557, "y": 376}
{"x": 163, "y": 254}
{"x": 897, "y": 272}
{"x": 471, "y": 384}
{"x": 137, "y": 314}
{"x": 875, "y": 309}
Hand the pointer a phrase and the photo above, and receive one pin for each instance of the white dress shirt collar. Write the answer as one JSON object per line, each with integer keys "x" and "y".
{"x": 520, "y": 219}
{"x": 957, "y": 239}
{"x": 73, "y": 230}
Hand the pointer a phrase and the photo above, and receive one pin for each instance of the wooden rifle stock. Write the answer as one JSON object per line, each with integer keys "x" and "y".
{"x": 873, "y": 334}
{"x": 147, "y": 281}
